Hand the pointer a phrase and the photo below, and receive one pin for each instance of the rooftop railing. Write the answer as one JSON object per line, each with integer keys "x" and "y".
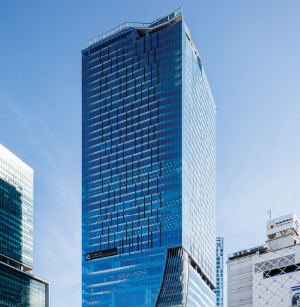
{"x": 127, "y": 25}
{"x": 248, "y": 251}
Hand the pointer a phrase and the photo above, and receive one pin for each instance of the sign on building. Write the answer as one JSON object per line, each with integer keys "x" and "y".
{"x": 101, "y": 254}
{"x": 283, "y": 223}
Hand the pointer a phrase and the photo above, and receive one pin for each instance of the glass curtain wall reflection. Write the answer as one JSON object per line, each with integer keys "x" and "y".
{"x": 21, "y": 289}
{"x": 145, "y": 100}
{"x": 16, "y": 197}
{"x": 18, "y": 287}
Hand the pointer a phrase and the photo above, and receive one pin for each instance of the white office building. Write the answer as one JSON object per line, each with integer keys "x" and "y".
{"x": 267, "y": 275}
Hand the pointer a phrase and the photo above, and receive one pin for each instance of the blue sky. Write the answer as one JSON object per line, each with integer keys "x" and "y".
{"x": 250, "y": 51}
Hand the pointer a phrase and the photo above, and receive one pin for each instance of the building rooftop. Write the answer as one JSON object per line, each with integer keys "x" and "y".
{"x": 13, "y": 159}
{"x": 138, "y": 25}
{"x": 246, "y": 252}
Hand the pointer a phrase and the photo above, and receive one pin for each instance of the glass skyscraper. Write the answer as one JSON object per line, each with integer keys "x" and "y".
{"x": 148, "y": 169}
{"x": 17, "y": 286}
{"x": 220, "y": 273}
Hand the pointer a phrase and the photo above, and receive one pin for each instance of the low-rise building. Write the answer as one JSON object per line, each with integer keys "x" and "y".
{"x": 267, "y": 275}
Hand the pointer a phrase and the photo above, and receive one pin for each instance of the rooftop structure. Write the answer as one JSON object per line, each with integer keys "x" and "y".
{"x": 249, "y": 251}
{"x": 142, "y": 27}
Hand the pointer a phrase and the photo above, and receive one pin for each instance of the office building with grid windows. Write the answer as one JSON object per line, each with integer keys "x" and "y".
{"x": 219, "y": 291}
{"x": 148, "y": 169}
{"x": 18, "y": 287}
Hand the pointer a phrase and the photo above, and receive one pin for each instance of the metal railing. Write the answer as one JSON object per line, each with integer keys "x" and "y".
{"x": 166, "y": 18}
{"x": 248, "y": 251}
{"x": 127, "y": 25}
{"x": 123, "y": 26}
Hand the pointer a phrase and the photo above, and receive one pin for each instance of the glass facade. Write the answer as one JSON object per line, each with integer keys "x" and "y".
{"x": 16, "y": 199}
{"x": 219, "y": 291}
{"x": 17, "y": 286}
{"x": 199, "y": 165}
{"x": 148, "y": 168}
{"x": 199, "y": 293}
{"x": 21, "y": 289}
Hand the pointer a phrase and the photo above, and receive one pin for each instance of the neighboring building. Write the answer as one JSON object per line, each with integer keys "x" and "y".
{"x": 148, "y": 208}
{"x": 18, "y": 287}
{"x": 219, "y": 291}
{"x": 268, "y": 275}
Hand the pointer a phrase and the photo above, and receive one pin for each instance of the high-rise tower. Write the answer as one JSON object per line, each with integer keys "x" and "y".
{"x": 148, "y": 163}
{"x": 220, "y": 273}
{"x": 18, "y": 287}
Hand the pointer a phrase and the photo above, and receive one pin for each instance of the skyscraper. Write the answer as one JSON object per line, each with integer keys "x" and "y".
{"x": 18, "y": 287}
{"x": 220, "y": 273}
{"x": 148, "y": 168}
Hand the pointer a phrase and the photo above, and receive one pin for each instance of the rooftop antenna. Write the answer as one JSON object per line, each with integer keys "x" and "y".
{"x": 270, "y": 214}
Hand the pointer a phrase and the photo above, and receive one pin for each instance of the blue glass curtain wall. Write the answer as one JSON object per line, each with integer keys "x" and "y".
{"x": 140, "y": 171}
{"x": 132, "y": 178}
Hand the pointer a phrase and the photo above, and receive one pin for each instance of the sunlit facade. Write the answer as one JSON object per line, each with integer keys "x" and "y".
{"x": 148, "y": 169}
{"x": 17, "y": 286}
{"x": 16, "y": 196}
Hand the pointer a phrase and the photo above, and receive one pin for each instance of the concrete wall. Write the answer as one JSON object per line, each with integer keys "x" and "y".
{"x": 239, "y": 281}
